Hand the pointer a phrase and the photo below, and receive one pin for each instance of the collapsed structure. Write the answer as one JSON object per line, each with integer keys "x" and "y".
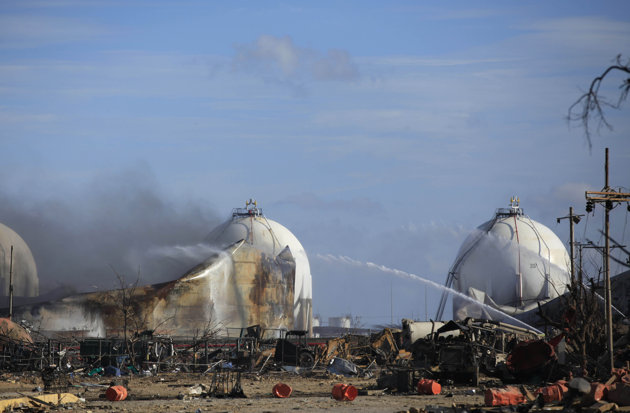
{"x": 259, "y": 275}
{"x": 510, "y": 263}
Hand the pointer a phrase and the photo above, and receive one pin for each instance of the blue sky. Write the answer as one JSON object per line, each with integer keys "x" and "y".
{"x": 382, "y": 131}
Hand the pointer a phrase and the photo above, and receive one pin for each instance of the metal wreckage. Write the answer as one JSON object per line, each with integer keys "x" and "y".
{"x": 422, "y": 356}
{"x": 457, "y": 352}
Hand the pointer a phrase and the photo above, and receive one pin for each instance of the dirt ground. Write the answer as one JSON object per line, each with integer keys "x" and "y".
{"x": 169, "y": 392}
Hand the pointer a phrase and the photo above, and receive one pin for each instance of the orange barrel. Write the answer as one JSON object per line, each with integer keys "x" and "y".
{"x": 426, "y": 386}
{"x": 503, "y": 397}
{"x": 344, "y": 392}
{"x": 282, "y": 390}
{"x": 116, "y": 393}
{"x": 554, "y": 392}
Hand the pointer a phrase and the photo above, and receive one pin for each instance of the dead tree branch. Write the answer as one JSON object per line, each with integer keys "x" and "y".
{"x": 123, "y": 299}
{"x": 590, "y": 106}
{"x": 581, "y": 321}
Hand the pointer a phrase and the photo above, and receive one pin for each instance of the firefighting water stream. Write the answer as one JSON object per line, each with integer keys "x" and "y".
{"x": 500, "y": 315}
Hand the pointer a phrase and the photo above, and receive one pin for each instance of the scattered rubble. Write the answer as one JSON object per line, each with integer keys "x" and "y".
{"x": 495, "y": 363}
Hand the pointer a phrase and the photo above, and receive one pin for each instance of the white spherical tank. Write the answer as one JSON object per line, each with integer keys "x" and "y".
{"x": 270, "y": 237}
{"x": 21, "y": 265}
{"x": 511, "y": 263}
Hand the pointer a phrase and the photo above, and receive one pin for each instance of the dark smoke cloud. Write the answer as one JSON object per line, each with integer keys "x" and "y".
{"x": 117, "y": 221}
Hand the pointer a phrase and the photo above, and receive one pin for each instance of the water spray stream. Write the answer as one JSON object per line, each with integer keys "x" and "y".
{"x": 402, "y": 274}
{"x": 214, "y": 267}
{"x": 195, "y": 253}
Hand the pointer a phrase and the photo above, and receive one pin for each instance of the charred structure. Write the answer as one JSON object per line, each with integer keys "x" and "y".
{"x": 258, "y": 274}
{"x": 236, "y": 287}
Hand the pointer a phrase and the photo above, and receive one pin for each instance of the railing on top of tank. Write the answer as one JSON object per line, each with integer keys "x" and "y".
{"x": 246, "y": 212}
{"x": 508, "y": 212}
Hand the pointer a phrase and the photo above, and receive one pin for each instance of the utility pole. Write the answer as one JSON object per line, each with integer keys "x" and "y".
{"x": 11, "y": 286}
{"x": 580, "y": 269}
{"x": 609, "y": 197}
{"x": 573, "y": 219}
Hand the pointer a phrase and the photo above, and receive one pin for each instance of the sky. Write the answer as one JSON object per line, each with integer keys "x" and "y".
{"x": 385, "y": 132}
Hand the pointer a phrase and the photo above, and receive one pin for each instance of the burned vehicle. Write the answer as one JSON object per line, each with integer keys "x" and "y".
{"x": 294, "y": 350}
{"x": 458, "y": 356}
{"x": 460, "y": 350}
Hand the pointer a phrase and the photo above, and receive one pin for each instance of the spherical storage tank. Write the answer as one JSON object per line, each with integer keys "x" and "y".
{"x": 249, "y": 224}
{"x": 21, "y": 265}
{"x": 511, "y": 263}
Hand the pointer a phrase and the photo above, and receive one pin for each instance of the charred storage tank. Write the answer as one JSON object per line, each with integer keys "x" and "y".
{"x": 510, "y": 263}
{"x": 21, "y": 264}
{"x": 249, "y": 224}
{"x": 253, "y": 278}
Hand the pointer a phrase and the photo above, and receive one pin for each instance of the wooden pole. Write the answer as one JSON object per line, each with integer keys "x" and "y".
{"x": 11, "y": 286}
{"x": 573, "y": 219}
{"x": 609, "y": 329}
{"x": 608, "y": 197}
{"x": 571, "y": 245}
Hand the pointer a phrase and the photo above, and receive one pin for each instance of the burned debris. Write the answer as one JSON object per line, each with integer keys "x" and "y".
{"x": 461, "y": 351}
{"x": 294, "y": 350}
{"x": 471, "y": 360}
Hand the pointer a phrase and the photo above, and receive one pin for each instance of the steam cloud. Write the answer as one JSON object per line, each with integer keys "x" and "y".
{"x": 120, "y": 223}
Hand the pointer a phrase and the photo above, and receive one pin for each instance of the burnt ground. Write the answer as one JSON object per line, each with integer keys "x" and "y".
{"x": 169, "y": 392}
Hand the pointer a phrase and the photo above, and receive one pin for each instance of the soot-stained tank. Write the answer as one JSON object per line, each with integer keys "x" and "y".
{"x": 270, "y": 237}
{"x": 510, "y": 263}
{"x": 22, "y": 265}
{"x": 257, "y": 274}
{"x": 236, "y": 287}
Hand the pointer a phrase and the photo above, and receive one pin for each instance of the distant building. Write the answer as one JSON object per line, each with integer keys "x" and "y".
{"x": 340, "y": 322}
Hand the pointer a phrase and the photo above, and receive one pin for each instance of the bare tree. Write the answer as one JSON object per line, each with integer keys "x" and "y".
{"x": 582, "y": 323}
{"x": 356, "y": 322}
{"x": 590, "y": 106}
{"x": 208, "y": 332}
{"x": 122, "y": 297}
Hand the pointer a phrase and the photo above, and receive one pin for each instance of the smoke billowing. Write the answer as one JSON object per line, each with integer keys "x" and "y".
{"x": 114, "y": 223}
